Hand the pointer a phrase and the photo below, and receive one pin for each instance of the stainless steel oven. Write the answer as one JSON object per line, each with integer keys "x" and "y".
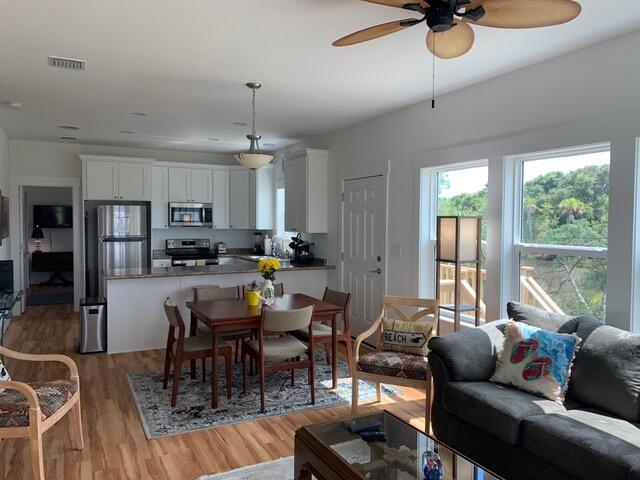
{"x": 190, "y": 214}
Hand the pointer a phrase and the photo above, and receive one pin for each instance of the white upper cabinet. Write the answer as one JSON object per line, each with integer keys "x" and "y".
{"x": 116, "y": 178}
{"x": 262, "y": 198}
{"x": 239, "y": 216}
{"x": 305, "y": 190}
{"x": 190, "y": 185}
{"x": 160, "y": 197}
{"x": 220, "y": 182}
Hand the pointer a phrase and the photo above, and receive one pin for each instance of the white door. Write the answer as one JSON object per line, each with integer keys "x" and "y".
{"x": 133, "y": 181}
{"x": 363, "y": 232}
{"x": 239, "y": 199}
{"x": 102, "y": 180}
{"x": 200, "y": 185}
{"x": 160, "y": 197}
{"x": 179, "y": 185}
{"x": 220, "y": 181}
{"x": 24, "y": 247}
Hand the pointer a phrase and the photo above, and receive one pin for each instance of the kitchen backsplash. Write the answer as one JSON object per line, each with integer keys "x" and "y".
{"x": 233, "y": 238}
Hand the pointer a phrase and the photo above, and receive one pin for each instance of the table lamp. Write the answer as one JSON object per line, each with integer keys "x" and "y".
{"x": 37, "y": 234}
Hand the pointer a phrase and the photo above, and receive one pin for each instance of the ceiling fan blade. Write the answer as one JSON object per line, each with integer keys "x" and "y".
{"x": 453, "y": 43}
{"x": 524, "y": 13}
{"x": 395, "y": 3}
{"x": 375, "y": 32}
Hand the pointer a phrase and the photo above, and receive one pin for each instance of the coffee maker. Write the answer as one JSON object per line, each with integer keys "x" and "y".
{"x": 301, "y": 250}
{"x": 258, "y": 246}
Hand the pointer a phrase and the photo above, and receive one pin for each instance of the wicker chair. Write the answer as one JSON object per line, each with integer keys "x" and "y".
{"x": 392, "y": 367}
{"x": 30, "y": 409}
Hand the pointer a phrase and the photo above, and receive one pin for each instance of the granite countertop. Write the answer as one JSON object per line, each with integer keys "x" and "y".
{"x": 151, "y": 272}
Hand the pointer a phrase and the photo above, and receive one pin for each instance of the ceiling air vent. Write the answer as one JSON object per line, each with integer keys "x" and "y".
{"x": 68, "y": 127}
{"x": 68, "y": 63}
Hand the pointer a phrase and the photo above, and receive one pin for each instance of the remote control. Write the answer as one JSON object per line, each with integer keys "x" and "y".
{"x": 366, "y": 427}
{"x": 372, "y": 436}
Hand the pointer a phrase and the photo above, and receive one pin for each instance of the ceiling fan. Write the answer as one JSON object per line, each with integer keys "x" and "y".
{"x": 450, "y": 34}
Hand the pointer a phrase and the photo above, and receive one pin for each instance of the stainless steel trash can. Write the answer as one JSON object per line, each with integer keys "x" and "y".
{"x": 93, "y": 326}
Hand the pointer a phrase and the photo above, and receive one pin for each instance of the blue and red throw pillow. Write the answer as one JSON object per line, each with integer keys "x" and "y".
{"x": 536, "y": 360}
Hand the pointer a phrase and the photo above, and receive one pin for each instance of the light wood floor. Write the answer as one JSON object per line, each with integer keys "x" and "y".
{"x": 115, "y": 444}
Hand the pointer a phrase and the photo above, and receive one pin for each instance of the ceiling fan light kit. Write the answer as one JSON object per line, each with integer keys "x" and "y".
{"x": 254, "y": 158}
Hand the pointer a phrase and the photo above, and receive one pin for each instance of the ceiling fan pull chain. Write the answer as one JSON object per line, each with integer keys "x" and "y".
{"x": 433, "y": 74}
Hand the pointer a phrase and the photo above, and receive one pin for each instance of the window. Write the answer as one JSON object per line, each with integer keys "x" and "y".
{"x": 460, "y": 190}
{"x": 560, "y": 238}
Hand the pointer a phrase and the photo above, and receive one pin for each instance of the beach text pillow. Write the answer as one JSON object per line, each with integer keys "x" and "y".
{"x": 407, "y": 337}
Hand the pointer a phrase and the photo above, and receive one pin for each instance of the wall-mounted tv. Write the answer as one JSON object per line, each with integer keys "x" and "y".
{"x": 53, "y": 216}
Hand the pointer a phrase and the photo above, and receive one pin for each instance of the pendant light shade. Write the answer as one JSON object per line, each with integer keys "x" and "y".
{"x": 253, "y": 159}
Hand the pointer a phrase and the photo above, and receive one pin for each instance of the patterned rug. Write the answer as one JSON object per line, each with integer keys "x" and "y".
{"x": 193, "y": 409}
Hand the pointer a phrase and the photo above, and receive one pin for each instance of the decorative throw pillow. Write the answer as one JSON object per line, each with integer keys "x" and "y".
{"x": 4, "y": 375}
{"x": 536, "y": 360}
{"x": 407, "y": 337}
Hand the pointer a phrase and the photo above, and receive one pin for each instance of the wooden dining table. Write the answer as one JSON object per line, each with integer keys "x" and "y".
{"x": 234, "y": 314}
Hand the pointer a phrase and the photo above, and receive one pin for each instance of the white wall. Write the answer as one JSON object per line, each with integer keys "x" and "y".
{"x": 584, "y": 97}
{"x": 5, "y": 251}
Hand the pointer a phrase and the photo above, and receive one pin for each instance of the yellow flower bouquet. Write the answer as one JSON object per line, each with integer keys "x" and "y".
{"x": 268, "y": 268}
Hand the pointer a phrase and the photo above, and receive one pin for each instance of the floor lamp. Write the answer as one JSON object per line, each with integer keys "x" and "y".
{"x": 458, "y": 243}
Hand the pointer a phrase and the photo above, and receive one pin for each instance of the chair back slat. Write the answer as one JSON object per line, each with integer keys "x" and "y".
{"x": 173, "y": 314}
{"x": 281, "y": 321}
{"x": 214, "y": 292}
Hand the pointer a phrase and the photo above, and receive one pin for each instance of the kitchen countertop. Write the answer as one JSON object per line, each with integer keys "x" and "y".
{"x": 151, "y": 272}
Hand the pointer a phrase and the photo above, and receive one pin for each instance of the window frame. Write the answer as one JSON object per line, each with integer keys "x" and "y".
{"x": 520, "y": 248}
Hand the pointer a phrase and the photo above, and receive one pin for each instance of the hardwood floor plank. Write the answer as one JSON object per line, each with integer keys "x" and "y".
{"x": 116, "y": 447}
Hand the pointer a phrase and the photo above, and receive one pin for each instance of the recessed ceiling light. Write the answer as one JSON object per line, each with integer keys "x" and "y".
{"x": 128, "y": 132}
{"x": 68, "y": 138}
{"x": 213, "y": 139}
{"x": 68, "y": 127}
{"x": 240, "y": 124}
{"x": 139, "y": 114}
{"x": 14, "y": 105}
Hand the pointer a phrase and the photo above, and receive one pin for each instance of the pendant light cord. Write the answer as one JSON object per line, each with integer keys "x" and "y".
{"x": 253, "y": 110}
{"x": 433, "y": 73}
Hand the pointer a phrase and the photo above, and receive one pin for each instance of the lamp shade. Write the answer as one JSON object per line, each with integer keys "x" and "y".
{"x": 457, "y": 239}
{"x": 37, "y": 233}
{"x": 253, "y": 160}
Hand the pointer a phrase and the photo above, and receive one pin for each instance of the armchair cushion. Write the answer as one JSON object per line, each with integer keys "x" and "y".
{"x": 394, "y": 364}
{"x": 14, "y": 407}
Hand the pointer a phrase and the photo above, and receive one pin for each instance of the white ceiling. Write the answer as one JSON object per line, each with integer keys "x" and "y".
{"x": 184, "y": 63}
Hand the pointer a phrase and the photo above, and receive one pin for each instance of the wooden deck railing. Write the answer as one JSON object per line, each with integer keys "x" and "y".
{"x": 530, "y": 291}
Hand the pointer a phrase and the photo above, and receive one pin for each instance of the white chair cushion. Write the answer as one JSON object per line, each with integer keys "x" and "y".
{"x": 194, "y": 344}
{"x": 319, "y": 330}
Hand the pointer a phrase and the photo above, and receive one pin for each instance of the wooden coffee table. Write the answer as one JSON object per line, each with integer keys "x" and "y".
{"x": 330, "y": 451}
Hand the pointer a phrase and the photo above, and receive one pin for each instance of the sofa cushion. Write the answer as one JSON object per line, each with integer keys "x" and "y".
{"x": 536, "y": 317}
{"x": 606, "y": 371}
{"x": 394, "y": 364}
{"x": 14, "y": 407}
{"x": 586, "y": 443}
{"x": 495, "y": 408}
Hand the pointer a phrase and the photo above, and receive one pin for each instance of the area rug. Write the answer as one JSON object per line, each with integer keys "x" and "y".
{"x": 50, "y": 296}
{"x": 193, "y": 409}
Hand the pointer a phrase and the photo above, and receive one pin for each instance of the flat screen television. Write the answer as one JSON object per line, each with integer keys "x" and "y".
{"x": 53, "y": 216}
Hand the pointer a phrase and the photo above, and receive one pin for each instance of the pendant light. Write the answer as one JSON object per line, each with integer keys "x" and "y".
{"x": 253, "y": 159}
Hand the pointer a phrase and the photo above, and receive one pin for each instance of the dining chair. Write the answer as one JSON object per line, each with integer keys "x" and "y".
{"x": 181, "y": 349}
{"x": 286, "y": 350}
{"x": 321, "y": 333}
{"x": 278, "y": 287}
{"x": 391, "y": 365}
{"x": 214, "y": 292}
{"x": 28, "y": 409}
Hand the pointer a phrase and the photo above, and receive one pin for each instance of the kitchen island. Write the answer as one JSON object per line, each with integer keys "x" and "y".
{"x": 135, "y": 314}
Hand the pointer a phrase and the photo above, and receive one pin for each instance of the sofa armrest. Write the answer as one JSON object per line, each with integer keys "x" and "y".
{"x": 469, "y": 355}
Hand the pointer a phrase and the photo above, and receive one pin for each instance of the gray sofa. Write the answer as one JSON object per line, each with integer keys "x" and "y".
{"x": 594, "y": 435}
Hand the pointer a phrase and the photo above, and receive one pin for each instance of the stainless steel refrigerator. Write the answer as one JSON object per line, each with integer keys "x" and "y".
{"x": 122, "y": 239}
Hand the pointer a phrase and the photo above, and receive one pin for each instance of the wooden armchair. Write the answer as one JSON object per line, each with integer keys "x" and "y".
{"x": 27, "y": 410}
{"x": 394, "y": 367}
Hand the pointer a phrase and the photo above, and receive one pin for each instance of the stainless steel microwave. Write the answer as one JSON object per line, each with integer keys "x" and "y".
{"x": 190, "y": 214}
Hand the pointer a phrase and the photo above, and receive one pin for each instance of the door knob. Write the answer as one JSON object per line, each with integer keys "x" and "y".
{"x": 377, "y": 270}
